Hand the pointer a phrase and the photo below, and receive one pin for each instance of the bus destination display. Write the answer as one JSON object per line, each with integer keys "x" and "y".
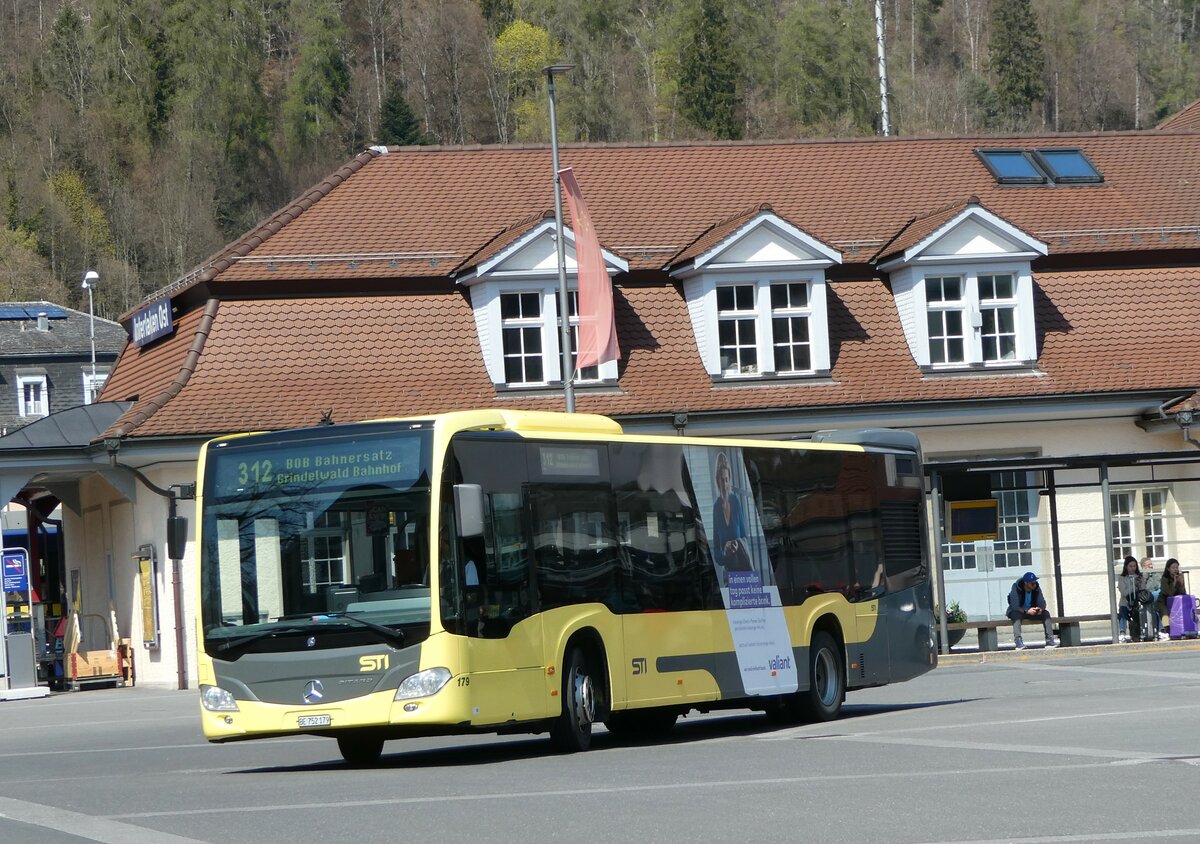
{"x": 305, "y": 463}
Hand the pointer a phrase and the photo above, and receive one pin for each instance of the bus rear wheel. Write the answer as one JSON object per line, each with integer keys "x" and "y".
{"x": 826, "y": 680}
{"x": 360, "y": 751}
{"x": 572, "y": 730}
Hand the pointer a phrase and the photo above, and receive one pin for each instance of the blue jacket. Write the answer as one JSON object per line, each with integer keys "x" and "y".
{"x": 1016, "y": 599}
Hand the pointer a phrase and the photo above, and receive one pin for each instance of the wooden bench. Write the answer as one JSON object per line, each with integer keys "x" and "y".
{"x": 989, "y": 639}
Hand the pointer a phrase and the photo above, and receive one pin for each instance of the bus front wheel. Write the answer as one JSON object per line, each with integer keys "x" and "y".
{"x": 826, "y": 679}
{"x": 360, "y": 751}
{"x": 572, "y": 730}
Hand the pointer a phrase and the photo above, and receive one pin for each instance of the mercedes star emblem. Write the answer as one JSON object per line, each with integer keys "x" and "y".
{"x": 314, "y": 692}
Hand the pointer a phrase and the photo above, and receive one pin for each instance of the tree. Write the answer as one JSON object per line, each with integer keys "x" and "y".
{"x": 1017, "y": 59}
{"x": 515, "y": 83}
{"x": 69, "y": 58}
{"x": 709, "y": 71}
{"x": 320, "y": 81}
{"x": 397, "y": 123}
{"x": 826, "y": 76}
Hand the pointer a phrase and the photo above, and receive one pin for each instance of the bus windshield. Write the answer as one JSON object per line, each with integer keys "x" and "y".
{"x": 307, "y": 534}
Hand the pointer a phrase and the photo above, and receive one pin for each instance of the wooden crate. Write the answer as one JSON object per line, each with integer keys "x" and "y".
{"x": 90, "y": 664}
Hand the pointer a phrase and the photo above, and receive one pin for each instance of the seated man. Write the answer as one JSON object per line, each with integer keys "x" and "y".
{"x": 1026, "y": 601}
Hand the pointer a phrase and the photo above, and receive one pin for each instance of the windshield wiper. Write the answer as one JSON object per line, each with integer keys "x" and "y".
{"x": 238, "y": 642}
{"x": 388, "y": 634}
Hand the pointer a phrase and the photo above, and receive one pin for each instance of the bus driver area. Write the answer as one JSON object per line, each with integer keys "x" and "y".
{"x": 580, "y": 576}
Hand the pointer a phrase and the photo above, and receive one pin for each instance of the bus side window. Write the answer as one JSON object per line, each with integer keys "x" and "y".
{"x": 662, "y": 567}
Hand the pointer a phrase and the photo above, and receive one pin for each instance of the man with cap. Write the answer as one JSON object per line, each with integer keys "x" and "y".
{"x": 1026, "y": 601}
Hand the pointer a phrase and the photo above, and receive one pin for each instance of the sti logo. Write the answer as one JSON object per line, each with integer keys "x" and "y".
{"x": 639, "y": 665}
{"x": 375, "y": 662}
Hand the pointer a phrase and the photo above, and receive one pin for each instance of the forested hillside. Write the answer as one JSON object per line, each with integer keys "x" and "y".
{"x": 138, "y": 136}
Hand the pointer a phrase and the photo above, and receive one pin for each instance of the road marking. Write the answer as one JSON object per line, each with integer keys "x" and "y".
{"x": 58, "y": 727}
{"x": 792, "y": 732}
{"x": 87, "y": 827}
{"x": 591, "y": 792}
{"x": 1091, "y": 836}
{"x": 75, "y": 751}
{"x": 1082, "y": 669}
{"x": 1050, "y": 750}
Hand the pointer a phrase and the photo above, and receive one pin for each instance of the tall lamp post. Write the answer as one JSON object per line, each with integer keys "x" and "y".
{"x": 90, "y": 279}
{"x": 564, "y": 307}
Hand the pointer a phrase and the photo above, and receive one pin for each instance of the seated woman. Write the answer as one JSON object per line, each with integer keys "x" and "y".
{"x": 1129, "y": 581}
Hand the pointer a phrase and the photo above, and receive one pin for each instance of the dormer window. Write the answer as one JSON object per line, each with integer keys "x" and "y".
{"x": 757, "y": 299}
{"x": 514, "y": 295}
{"x": 964, "y": 290}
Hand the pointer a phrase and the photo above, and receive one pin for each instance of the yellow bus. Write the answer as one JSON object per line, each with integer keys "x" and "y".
{"x": 508, "y": 571}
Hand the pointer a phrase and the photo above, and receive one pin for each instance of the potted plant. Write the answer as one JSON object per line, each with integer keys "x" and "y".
{"x": 954, "y": 615}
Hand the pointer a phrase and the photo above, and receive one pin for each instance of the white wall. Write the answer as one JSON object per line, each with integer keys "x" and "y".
{"x": 112, "y": 527}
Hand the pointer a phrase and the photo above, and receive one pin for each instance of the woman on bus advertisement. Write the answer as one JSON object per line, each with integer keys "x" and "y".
{"x": 738, "y": 551}
{"x": 729, "y": 521}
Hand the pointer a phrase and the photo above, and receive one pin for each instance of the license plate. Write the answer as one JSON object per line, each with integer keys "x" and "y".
{"x": 314, "y": 720}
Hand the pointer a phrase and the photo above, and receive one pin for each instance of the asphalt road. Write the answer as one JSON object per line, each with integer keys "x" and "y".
{"x": 1037, "y": 746}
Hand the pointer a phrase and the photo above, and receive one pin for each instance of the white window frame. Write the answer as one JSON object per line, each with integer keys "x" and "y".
{"x": 523, "y": 324}
{"x": 40, "y": 407}
{"x": 739, "y": 321}
{"x": 791, "y": 312}
{"x": 310, "y": 559}
{"x": 1138, "y": 529}
{"x": 945, "y": 310}
{"x": 706, "y": 316}
{"x": 92, "y": 388}
{"x": 971, "y": 307}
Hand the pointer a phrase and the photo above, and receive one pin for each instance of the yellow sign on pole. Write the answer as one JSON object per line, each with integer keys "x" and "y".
{"x": 149, "y": 602}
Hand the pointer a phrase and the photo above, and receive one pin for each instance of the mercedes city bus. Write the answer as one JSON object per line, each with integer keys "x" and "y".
{"x": 511, "y": 571}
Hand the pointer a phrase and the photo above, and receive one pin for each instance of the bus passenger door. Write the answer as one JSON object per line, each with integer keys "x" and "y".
{"x": 505, "y": 634}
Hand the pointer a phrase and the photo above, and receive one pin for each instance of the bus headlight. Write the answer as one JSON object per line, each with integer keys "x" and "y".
{"x": 216, "y": 699}
{"x": 423, "y": 684}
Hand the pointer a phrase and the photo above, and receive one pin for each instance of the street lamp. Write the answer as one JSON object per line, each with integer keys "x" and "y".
{"x": 90, "y": 279}
{"x": 564, "y": 309}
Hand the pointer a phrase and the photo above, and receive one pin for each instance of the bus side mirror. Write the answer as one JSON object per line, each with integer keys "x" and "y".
{"x": 468, "y": 510}
{"x": 176, "y": 536}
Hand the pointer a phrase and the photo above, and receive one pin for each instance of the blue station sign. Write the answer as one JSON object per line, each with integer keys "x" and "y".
{"x": 152, "y": 322}
{"x": 15, "y": 570}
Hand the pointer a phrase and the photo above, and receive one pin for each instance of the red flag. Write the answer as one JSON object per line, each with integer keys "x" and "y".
{"x": 597, "y": 326}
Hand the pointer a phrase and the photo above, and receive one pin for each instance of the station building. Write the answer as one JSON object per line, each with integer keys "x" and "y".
{"x": 1025, "y": 304}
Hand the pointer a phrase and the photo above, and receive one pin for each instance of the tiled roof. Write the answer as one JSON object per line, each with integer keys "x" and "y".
{"x": 921, "y": 226}
{"x": 420, "y": 212}
{"x": 505, "y": 238}
{"x": 281, "y": 363}
{"x": 717, "y": 232}
{"x": 1187, "y": 117}
{"x": 408, "y": 219}
{"x": 69, "y": 335}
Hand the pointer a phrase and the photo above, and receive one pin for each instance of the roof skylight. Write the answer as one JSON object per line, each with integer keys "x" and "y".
{"x": 1067, "y": 166}
{"x": 1060, "y": 166}
{"x": 1011, "y": 166}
